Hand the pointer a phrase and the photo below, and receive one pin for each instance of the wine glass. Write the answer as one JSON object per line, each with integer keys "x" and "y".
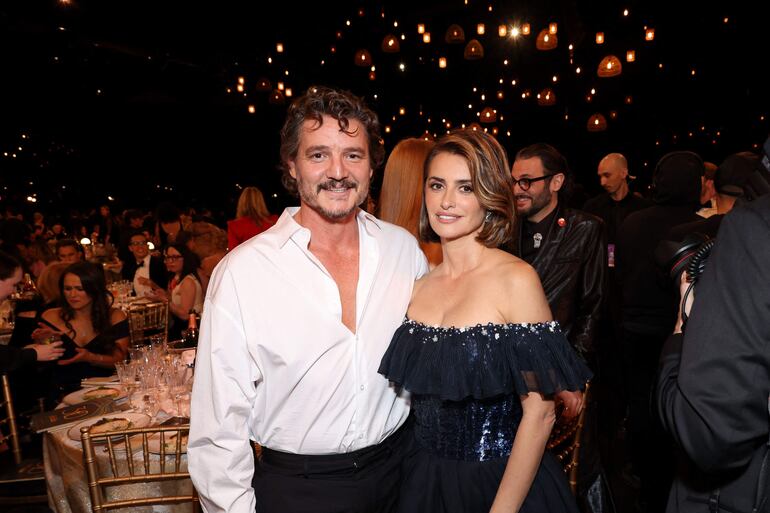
{"x": 127, "y": 378}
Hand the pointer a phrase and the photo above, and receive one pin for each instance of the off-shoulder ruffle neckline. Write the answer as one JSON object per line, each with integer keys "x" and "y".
{"x": 482, "y": 361}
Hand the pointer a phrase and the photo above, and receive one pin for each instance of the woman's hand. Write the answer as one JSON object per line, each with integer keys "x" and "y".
{"x": 81, "y": 355}
{"x": 45, "y": 333}
{"x": 48, "y": 352}
{"x": 158, "y": 294}
{"x": 573, "y": 403}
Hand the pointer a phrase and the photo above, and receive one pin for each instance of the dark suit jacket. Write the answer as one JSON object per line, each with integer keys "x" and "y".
{"x": 158, "y": 272}
{"x": 11, "y": 358}
{"x": 713, "y": 387}
{"x": 571, "y": 266}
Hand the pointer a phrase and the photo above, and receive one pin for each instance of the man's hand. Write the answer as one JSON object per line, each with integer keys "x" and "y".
{"x": 45, "y": 333}
{"x": 48, "y": 352}
{"x": 683, "y": 286}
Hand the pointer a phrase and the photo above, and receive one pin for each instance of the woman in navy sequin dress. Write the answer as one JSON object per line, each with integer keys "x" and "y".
{"x": 478, "y": 352}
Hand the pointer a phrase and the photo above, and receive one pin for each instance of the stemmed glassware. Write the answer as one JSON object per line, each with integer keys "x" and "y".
{"x": 165, "y": 381}
{"x": 127, "y": 378}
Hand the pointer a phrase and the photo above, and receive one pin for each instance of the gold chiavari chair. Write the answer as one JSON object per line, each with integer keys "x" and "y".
{"x": 564, "y": 443}
{"x": 146, "y": 319}
{"x": 131, "y": 462}
{"x": 22, "y": 481}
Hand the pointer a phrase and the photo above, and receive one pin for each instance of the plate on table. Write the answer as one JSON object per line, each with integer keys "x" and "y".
{"x": 110, "y": 422}
{"x": 86, "y": 394}
{"x": 153, "y": 442}
{"x": 99, "y": 381}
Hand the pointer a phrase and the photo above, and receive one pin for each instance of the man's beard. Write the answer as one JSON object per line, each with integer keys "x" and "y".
{"x": 536, "y": 204}
{"x": 311, "y": 198}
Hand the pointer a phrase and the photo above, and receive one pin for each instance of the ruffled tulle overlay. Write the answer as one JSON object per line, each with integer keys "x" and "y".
{"x": 465, "y": 386}
{"x": 483, "y": 361}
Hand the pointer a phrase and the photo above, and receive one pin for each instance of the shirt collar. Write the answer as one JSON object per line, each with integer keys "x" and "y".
{"x": 145, "y": 261}
{"x": 287, "y": 227}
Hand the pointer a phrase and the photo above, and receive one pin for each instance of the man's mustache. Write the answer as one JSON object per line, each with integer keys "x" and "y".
{"x": 337, "y": 184}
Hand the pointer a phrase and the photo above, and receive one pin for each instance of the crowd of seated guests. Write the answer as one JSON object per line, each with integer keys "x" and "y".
{"x": 167, "y": 254}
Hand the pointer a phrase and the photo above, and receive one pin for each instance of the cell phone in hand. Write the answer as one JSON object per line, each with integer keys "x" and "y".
{"x": 69, "y": 348}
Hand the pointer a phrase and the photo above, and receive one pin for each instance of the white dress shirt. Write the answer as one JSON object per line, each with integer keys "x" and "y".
{"x": 143, "y": 271}
{"x": 276, "y": 365}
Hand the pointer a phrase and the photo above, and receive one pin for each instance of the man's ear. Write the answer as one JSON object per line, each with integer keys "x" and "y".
{"x": 557, "y": 182}
{"x": 292, "y": 168}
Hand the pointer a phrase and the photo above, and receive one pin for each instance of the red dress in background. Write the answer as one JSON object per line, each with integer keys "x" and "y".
{"x": 244, "y": 228}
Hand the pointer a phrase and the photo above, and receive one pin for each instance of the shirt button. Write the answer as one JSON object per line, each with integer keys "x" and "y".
{"x": 362, "y": 387}
{"x": 361, "y": 436}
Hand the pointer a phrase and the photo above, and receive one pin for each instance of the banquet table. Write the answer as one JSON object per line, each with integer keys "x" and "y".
{"x": 66, "y": 479}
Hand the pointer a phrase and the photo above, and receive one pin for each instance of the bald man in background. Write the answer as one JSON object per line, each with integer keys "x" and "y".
{"x": 617, "y": 202}
{"x": 612, "y": 206}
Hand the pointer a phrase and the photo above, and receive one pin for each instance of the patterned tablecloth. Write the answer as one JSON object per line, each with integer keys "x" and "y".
{"x": 67, "y": 484}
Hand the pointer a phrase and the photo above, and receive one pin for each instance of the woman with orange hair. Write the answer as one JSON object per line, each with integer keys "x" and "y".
{"x": 401, "y": 193}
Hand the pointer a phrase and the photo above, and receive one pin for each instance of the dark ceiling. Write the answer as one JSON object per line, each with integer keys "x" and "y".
{"x": 130, "y": 99}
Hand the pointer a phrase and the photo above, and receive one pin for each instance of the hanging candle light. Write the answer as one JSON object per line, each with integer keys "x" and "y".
{"x": 630, "y": 56}
{"x": 488, "y": 115}
{"x": 263, "y": 84}
{"x": 363, "y": 58}
{"x": 390, "y": 44}
{"x": 610, "y": 66}
{"x": 649, "y": 34}
{"x": 600, "y": 38}
{"x": 546, "y": 41}
{"x": 473, "y": 50}
{"x": 546, "y": 97}
{"x": 454, "y": 34}
{"x": 276, "y": 98}
{"x": 597, "y": 123}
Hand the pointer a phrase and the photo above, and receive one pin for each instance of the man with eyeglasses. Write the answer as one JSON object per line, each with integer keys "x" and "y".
{"x": 143, "y": 267}
{"x": 567, "y": 249}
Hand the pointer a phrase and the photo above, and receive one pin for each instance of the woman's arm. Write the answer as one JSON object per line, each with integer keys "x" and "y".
{"x": 521, "y": 281}
{"x": 120, "y": 351}
{"x": 528, "y": 447}
{"x": 187, "y": 299}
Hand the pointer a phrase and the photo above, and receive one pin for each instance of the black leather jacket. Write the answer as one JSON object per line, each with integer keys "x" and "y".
{"x": 571, "y": 263}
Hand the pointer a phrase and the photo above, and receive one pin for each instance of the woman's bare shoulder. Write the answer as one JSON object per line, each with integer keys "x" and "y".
{"x": 52, "y": 315}
{"x": 518, "y": 291}
{"x": 117, "y": 315}
{"x": 505, "y": 266}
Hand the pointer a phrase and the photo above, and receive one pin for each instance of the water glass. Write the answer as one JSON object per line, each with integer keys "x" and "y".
{"x": 127, "y": 377}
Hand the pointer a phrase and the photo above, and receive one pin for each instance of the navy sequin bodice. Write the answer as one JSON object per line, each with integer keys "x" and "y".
{"x": 470, "y": 430}
{"x": 466, "y": 382}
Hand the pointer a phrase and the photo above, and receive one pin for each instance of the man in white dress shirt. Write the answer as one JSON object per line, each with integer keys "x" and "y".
{"x": 295, "y": 324}
{"x": 143, "y": 268}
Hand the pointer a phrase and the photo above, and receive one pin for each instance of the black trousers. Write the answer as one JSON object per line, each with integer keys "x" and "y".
{"x": 363, "y": 481}
{"x": 651, "y": 447}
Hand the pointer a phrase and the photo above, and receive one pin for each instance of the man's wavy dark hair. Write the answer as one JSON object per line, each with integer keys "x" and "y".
{"x": 340, "y": 105}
